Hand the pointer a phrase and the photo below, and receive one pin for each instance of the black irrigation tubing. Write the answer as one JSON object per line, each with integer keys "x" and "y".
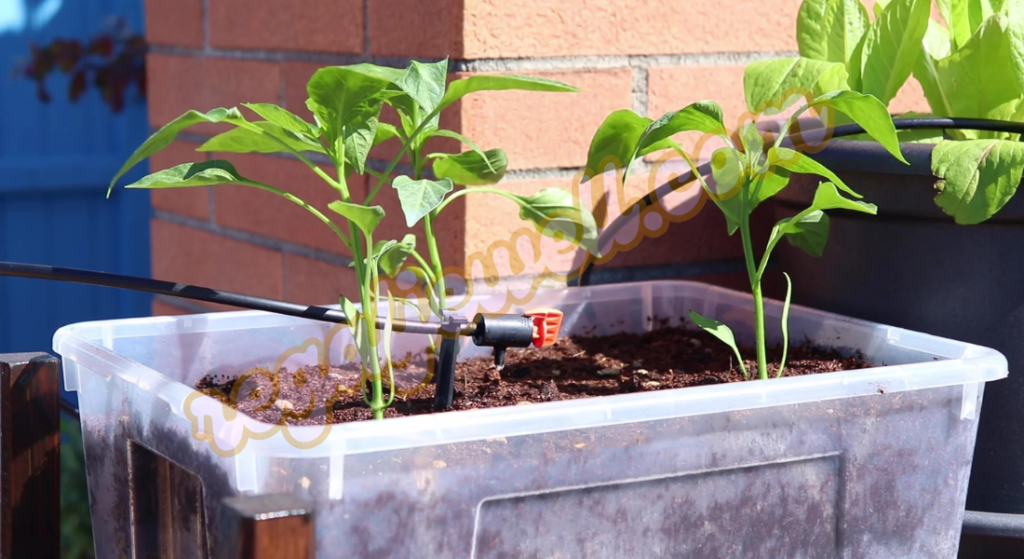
{"x": 923, "y": 123}
{"x": 197, "y": 293}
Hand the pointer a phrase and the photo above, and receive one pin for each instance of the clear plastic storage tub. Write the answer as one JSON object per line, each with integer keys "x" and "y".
{"x": 863, "y": 464}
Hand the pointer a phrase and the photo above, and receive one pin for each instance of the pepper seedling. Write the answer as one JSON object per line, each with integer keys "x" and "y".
{"x": 346, "y": 102}
{"x": 745, "y": 177}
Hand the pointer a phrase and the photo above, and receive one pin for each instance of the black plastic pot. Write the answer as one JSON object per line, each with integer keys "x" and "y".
{"x": 912, "y": 266}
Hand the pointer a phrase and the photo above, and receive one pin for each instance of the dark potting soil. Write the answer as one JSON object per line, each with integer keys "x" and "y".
{"x": 574, "y": 367}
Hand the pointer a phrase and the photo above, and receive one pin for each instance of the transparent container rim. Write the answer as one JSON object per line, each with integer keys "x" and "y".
{"x": 961, "y": 364}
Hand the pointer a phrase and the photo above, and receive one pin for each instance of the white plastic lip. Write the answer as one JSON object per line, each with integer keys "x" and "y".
{"x": 959, "y": 364}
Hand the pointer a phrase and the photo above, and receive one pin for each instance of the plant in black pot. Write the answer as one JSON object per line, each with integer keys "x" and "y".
{"x": 913, "y": 265}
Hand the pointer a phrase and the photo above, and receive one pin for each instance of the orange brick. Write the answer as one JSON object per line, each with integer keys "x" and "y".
{"x": 161, "y": 308}
{"x": 500, "y": 29}
{"x": 180, "y": 83}
{"x": 421, "y": 28}
{"x": 547, "y": 129}
{"x": 296, "y": 75}
{"x": 491, "y": 218}
{"x": 192, "y": 256}
{"x": 910, "y": 97}
{"x": 174, "y": 22}
{"x": 249, "y": 209}
{"x": 315, "y": 25}
{"x": 671, "y": 88}
{"x": 314, "y": 282}
{"x": 193, "y": 202}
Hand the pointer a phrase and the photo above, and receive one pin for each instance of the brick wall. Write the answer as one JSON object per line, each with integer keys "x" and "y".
{"x": 648, "y": 55}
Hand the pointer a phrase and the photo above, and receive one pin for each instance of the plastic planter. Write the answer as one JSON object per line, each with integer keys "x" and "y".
{"x": 868, "y": 464}
{"x": 913, "y": 267}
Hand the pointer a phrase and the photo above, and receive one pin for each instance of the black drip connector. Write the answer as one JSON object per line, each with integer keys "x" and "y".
{"x": 502, "y": 331}
{"x": 444, "y": 393}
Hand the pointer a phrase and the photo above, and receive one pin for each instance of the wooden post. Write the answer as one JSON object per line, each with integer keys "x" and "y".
{"x": 29, "y": 455}
{"x": 266, "y": 527}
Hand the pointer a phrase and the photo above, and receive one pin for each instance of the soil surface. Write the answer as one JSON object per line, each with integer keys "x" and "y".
{"x": 574, "y": 367}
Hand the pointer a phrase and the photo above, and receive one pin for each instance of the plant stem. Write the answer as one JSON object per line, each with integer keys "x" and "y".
{"x": 470, "y": 190}
{"x": 369, "y": 308}
{"x": 755, "y": 284}
{"x": 377, "y": 404}
{"x": 435, "y": 259}
{"x": 428, "y": 230}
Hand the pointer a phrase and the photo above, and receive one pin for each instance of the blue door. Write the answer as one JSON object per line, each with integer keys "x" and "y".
{"x": 55, "y": 162}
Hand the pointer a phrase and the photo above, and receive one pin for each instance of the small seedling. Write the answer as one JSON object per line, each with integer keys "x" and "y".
{"x": 346, "y": 102}
{"x": 744, "y": 178}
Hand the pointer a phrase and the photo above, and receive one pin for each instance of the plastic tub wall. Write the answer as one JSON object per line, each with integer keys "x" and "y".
{"x": 912, "y": 266}
{"x": 867, "y": 464}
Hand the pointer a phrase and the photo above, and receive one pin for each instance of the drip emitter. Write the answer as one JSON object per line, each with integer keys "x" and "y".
{"x": 538, "y": 327}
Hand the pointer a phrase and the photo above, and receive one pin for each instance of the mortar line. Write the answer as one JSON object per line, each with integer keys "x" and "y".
{"x": 366, "y": 29}
{"x": 555, "y": 63}
{"x": 206, "y": 27}
{"x": 262, "y": 241}
{"x": 640, "y": 87}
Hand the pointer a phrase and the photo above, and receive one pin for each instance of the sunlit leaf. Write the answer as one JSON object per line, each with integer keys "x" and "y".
{"x": 976, "y": 177}
{"x": 722, "y": 332}
{"x": 420, "y": 197}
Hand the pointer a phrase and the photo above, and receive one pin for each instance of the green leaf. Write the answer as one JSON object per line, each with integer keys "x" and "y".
{"x": 365, "y": 218}
{"x": 830, "y": 30}
{"x": 472, "y": 169}
{"x": 472, "y": 145}
{"x": 460, "y": 88}
{"x": 557, "y": 215}
{"x": 753, "y": 147}
{"x": 262, "y": 137}
{"x": 772, "y": 183}
{"x": 379, "y": 250}
{"x": 283, "y": 118}
{"x": 384, "y": 133}
{"x": 206, "y": 173}
{"x": 425, "y": 84}
{"x": 391, "y": 260}
{"x": 420, "y": 197}
{"x": 982, "y": 79}
{"x": 723, "y": 333}
{"x": 976, "y": 177}
{"x": 347, "y": 102}
{"x": 954, "y": 12}
{"x": 785, "y": 325}
{"x": 165, "y": 135}
{"x": 810, "y": 228}
{"x": 978, "y": 11}
{"x": 936, "y": 45}
{"x": 625, "y": 135}
{"x": 349, "y": 309}
{"x": 828, "y": 198}
{"x": 615, "y": 142}
{"x": 868, "y": 112}
{"x": 729, "y": 176}
{"x": 891, "y": 47}
{"x": 797, "y": 162}
{"x": 702, "y": 116}
{"x": 767, "y": 81}
{"x": 357, "y": 324}
{"x": 810, "y": 234}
